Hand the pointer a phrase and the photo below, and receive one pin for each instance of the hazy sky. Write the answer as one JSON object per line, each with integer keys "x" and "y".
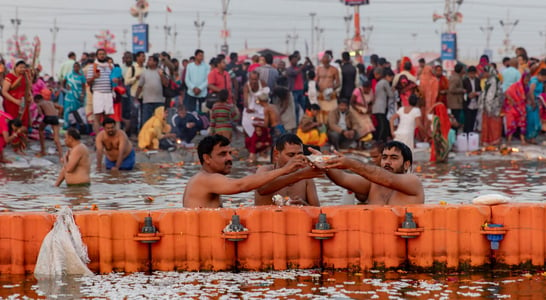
{"x": 265, "y": 23}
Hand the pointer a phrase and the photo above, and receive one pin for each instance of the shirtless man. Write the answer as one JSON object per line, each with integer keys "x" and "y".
{"x": 115, "y": 144}
{"x": 51, "y": 112}
{"x": 272, "y": 117}
{"x": 388, "y": 184}
{"x": 298, "y": 186}
{"x": 327, "y": 82}
{"x": 205, "y": 187}
{"x": 77, "y": 166}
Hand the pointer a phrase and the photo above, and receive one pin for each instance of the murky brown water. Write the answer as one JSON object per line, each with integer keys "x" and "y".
{"x": 301, "y": 284}
{"x": 455, "y": 182}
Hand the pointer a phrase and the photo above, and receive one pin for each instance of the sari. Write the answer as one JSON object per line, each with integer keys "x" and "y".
{"x": 515, "y": 113}
{"x": 534, "y": 125}
{"x": 440, "y": 132}
{"x": 443, "y": 85}
{"x": 490, "y": 105}
{"x": 428, "y": 88}
{"x": 17, "y": 90}
{"x": 73, "y": 99}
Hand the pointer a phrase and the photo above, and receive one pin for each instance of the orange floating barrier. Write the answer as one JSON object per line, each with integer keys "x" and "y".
{"x": 460, "y": 237}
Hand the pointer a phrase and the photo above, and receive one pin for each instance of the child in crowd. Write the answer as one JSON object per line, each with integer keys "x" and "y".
{"x": 272, "y": 117}
{"x": 50, "y": 112}
{"x": 186, "y": 126}
{"x": 10, "y": 130}
{"x": 223, "y": 115}
{"x": 259, "y": 143}
{"x": 409, "y": 118}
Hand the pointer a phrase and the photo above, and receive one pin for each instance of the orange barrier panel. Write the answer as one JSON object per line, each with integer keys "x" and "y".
{"x": 361, "y": 237}
{"x": 451, "y": 236}
{"x": 20, "y": 240}
{"x": 194, "y": 238}
{"x": 364, "y": 237}
{"x": 525, "y": 228}
{"x": 278, "y": 238}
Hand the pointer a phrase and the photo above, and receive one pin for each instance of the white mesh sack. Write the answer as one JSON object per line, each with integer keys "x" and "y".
{"x": 62, "y": 251}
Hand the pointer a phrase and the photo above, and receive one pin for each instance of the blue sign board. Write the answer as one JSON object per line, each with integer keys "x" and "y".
{"x": 140, "y": 38}
{"x": 449, "y": 46}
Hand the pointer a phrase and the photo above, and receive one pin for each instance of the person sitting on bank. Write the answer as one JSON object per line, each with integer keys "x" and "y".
{"x": 186, "y": 126}
{"x": 389, "y": 184}
{"x": 115, "y": 145}
{"x": 77, "y": 166}
{"x": 310, "y": 130}
{"x": 298, "y": 187}
{"x": 205, "y": 188}
{"x": 155, "y": 129}
{"x": 342, "y": 126}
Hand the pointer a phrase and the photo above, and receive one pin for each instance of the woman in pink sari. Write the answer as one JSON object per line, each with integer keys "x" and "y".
{"x": 514, "y": 108}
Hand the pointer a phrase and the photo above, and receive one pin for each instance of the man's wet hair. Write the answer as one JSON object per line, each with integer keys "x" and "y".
{"x": 403, "y": 148}
{"x": 287, "y": 138}
{"x": 207, "y": 144}
{"x": 74, "y": 133}
{"x": 379, "y": 145}
{"x": 108, "y": 120}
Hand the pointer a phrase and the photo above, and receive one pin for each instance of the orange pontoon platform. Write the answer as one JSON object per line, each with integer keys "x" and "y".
{"x": 278, "y": 238}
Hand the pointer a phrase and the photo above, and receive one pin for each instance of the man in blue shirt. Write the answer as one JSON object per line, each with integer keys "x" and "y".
{"x": 196, "y": 82}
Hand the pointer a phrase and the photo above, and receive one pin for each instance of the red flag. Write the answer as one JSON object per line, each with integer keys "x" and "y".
{"x": 169, "y": 9}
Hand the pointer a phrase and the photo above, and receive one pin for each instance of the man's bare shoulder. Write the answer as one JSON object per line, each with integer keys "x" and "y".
{"x": 265, "y": 168}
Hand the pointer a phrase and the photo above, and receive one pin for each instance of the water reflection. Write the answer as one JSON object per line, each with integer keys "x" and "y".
{"x": 160, "y": 185}
{"x": 293, "y": 284}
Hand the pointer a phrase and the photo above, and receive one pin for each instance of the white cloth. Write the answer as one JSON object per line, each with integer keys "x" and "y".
{"x": 103, "y": 103}
{"x": 247, "y": 121}
{"x": 406, "y": 126}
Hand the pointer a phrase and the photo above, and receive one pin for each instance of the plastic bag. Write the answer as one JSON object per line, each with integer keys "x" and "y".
{"x": 63, "y": 251}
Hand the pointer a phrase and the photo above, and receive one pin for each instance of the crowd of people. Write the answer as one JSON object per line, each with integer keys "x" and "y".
{"x": 159, "y": 102}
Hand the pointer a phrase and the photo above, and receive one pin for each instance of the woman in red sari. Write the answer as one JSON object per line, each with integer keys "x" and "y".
{"x": 514, "y": 108}
{"x": 14, "y": 93}
{"x": 440, "y": 131}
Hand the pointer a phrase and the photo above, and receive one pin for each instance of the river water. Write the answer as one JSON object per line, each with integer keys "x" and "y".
{"x": 295, "y": 284}
{"x": 161, "y": 185}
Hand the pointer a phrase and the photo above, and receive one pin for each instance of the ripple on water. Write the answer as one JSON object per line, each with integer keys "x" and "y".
{"x": 455, "y": 182}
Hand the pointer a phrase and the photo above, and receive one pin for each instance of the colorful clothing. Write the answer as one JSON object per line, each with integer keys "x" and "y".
{"x": 17, "y": 90}
{"x": 222, "y": 117}
{"x": 490, "y": 105}
{"x": 440, "y": 134}
{"x": 73, "y": 99}
{"x": 315, "y": 136}
{"x": 128, "y": 163}
{"x": 251, "y": 143}
{"x": 4, "y": 119}
{"x": 515, "y": 113}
